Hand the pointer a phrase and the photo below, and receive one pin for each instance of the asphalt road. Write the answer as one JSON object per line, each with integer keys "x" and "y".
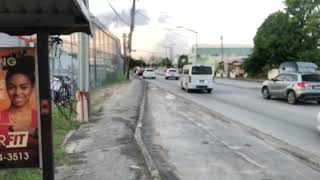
{"x": 188, "y": 142}
{"x": 242, "y": 102}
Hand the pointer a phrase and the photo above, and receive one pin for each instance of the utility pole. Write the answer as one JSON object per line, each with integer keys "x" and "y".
{"x": 196, "y": 47}
{"x": 171, "y": 55}
{"x": 226, "y": 65}
{"x": 133, "y": 12}
{"x": 222, "y": 48}
{"x": 125, "y": 52}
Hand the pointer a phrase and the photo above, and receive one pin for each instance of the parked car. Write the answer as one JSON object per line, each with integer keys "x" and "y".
{"x": 294, "y": 86}
{"x": 197, "y": 77}
{"x": 149, "y": 74}
{"x": 172, "y": 73}
{"x": 294, "y": 66}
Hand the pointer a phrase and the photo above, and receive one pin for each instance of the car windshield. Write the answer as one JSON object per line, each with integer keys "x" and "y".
{"x": 201, "y": 70}
{"x": 311, "y": 77}
{"x": 172, "y": 70}
{"x": 149, "y": 70}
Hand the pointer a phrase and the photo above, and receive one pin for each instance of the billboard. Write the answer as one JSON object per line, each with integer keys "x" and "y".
{"x": 19, "y": 141}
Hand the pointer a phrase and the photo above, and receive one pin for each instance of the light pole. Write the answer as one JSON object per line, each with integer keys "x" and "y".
{"x": 181, "y": 27}
{"x": 170, "y": 52}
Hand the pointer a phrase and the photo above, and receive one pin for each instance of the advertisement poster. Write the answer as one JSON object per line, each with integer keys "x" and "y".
{"x": 19, "y": 144}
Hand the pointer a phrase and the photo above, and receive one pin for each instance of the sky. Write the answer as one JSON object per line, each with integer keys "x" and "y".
{"x": 156, "y": 21}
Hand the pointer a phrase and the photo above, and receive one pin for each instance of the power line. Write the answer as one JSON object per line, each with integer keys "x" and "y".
{"x": 118, "y": 15}
{"x": 138, "y": 12}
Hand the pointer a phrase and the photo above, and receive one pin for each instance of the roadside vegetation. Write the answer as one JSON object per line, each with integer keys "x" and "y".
{"x": 98, "y": 94}
{"x": 292, "y": 34}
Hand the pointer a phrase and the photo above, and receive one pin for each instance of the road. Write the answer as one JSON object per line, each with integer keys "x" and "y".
{"x": 187, "y": 141}
{"x": 242, "y": 102}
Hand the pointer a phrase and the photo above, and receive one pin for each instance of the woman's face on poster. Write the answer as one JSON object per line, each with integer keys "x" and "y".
{"x": 19, "y": 90}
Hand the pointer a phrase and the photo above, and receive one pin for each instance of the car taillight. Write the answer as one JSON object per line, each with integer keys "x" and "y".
{"x": 302, "y": 84}
{"x": 190, "y": 79}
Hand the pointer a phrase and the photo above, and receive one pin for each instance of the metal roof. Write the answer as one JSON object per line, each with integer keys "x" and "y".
{"x": 25, "y": 17}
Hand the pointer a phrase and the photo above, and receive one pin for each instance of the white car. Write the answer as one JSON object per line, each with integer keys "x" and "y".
{"x": 197, "y": 77}
{"x": 149, "y": 74}
{"x": 172, "y": 73}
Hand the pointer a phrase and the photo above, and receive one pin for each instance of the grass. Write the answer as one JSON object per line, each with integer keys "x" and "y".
{"x": 120, "y": 77}
{"x": 61, "y": 127}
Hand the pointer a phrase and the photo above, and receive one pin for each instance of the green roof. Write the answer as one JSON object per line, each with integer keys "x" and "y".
{"x": 243, "y": 51}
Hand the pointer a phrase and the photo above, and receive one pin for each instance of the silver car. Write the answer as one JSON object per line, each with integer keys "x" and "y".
{"x": 293, "y": 86}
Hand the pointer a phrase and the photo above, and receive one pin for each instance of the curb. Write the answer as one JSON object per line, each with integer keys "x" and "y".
{"x": 66, "y": 138}
{"x": 152, "y": 168}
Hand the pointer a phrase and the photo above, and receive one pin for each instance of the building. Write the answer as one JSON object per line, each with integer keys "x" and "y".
{"x": 227, "y": 58}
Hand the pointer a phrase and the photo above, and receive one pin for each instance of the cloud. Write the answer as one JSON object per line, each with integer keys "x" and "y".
{"x": 163, "y": 18}
{"x": 179, "y": 43}
{"x": 142, "y": 17}
{"x": 123, "y": 18}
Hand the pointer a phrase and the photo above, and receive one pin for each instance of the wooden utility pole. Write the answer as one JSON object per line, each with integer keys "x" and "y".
{"x": 125, "y": 58}
{"x": 133, "y": 12}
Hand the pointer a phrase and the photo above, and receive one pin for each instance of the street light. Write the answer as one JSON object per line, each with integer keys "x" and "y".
{"x": 181, "y": 27}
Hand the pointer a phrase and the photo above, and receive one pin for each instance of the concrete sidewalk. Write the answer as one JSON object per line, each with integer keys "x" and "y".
{"x": 105, "y": 148}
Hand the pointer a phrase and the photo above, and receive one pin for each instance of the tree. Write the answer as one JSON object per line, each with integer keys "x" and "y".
{"x": 183, "y": 60}
{"x": 305, "y": 17}
{"x": 273, "y": 44}
{"x": 166, "y": 63}
{"x": 134, "y": 63}
{"x": 290, "y": 35}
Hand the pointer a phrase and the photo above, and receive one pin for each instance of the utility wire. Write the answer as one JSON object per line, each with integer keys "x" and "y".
{"x": 138, "y": 12}
{"x": 118, "y": 15}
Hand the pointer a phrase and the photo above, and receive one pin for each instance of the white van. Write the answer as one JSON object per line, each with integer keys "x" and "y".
{"x": 197, "y": 77}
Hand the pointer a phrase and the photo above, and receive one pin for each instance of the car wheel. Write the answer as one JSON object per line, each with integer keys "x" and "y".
{"x": 291, "y": 97}
{"x": 181, "y": 85}
{"x": 209, "y": 90}
{"x": 177, "y": 78}
{"x": 266, "y": 93}
{"x": 187, "y": 89}
{"x": 166, "y": 78}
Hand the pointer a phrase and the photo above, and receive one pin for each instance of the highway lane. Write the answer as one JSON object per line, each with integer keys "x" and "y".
{"x": 187, "y": 142}
{"x": 242, "y": 102}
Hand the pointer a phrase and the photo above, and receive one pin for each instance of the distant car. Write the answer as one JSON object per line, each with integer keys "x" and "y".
{"x": 149, "y": 74}
{"x": 195, "y": 77}
{"x": 138, "y": 71}
{"x": 172, "y": 73}
{"x": 293, "y": 86}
